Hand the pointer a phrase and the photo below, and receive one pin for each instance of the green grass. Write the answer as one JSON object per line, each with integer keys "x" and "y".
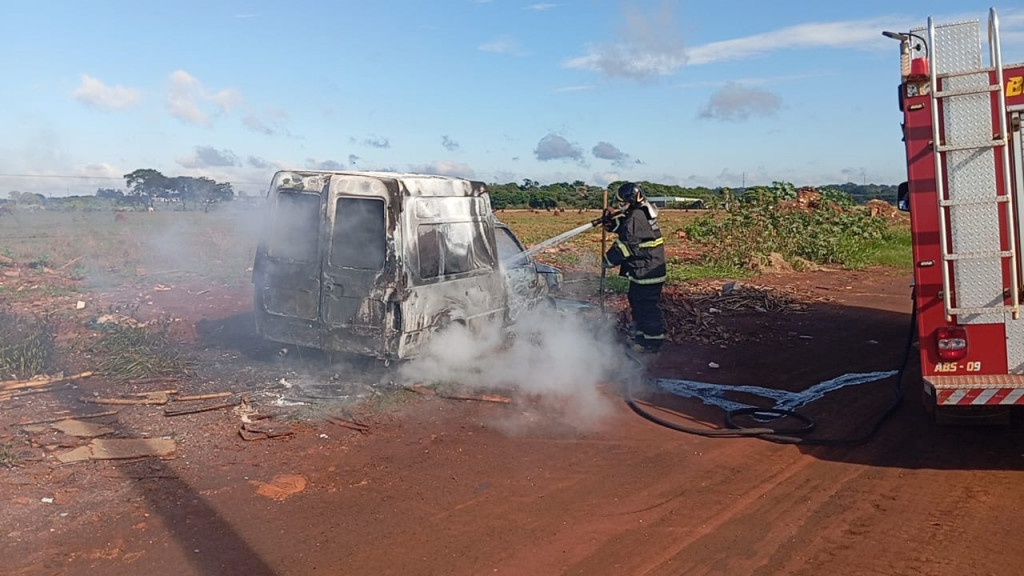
{"x": 26, "y": 345}
{"x": 137, "y": 352}
{"x": 894, "y": 250}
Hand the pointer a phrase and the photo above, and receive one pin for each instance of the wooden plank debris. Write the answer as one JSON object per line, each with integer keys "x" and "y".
{"x": 82, "y": 429}
{"x": 202, "y": 397}
{"x": 69, "y": 417}
{"x": 37, "y": 381}
{"x": 172, "y": 411}
{"x": 119, "y": 449}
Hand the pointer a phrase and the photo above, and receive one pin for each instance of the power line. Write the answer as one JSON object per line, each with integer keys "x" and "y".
{"x": 80, "y": 177}
{"x": 62, "y": 176}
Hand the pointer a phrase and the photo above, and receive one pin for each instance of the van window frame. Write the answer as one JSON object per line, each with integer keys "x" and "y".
{"x": 487, "y": 261}
{"x": 302, "y": 232}
{"x": 332, "y": 244}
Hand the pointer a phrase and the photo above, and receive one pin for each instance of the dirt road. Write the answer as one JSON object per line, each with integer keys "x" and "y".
{"x": 451, "y": 487}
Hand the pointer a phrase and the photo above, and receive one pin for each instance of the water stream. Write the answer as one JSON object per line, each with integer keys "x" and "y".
{"x": 558, "y": 239}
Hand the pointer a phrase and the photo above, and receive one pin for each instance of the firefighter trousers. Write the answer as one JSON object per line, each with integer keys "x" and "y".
{"x": 644, "y": 305}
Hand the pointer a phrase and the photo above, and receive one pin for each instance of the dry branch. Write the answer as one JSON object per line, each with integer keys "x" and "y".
{"x": 34, "y": 382}
{"x": 202, "y": 397}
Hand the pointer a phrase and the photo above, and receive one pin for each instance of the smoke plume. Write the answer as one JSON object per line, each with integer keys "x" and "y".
{"x": 557, "y": 360}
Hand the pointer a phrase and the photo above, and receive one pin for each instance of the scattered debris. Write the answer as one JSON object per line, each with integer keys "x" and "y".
{"x": 263, "y": 430}
{"x": 172, "y": 411}
{"x": 352, "y": 425}
{"x": 69, "y": 417}
{"x": 282, "y": 486}
{"x": 6, "y": 385}
{"x": 690, "y": 314}
{"x": 202, "y": 397}
{"x": 448, "y": 396}
{"x": 158, "y": 397}
{"x": 83, "y": 429}
{"x": 119, "y": 449}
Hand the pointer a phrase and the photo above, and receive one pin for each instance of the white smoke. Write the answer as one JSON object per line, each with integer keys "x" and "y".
{"x": 557, "y": 361}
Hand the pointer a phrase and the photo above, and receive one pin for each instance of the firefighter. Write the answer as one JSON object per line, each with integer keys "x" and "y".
{"x": 639, "y": 252}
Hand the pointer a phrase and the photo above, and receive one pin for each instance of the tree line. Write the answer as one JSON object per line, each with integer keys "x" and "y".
{"x": 531, "y": 194}
{"x": 145, "y": 185}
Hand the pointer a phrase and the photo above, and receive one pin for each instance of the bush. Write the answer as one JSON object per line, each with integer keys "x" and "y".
{"x": 830, "y": 232}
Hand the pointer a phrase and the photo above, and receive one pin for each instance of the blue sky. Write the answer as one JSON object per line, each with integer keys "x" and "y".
{"x": 685, "y": 92}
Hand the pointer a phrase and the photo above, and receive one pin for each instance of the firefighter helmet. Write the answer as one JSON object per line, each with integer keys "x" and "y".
{"x": 630, "y": 193}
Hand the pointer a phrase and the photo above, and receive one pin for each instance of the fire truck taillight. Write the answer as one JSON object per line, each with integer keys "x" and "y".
{"x": 952, "y": 342}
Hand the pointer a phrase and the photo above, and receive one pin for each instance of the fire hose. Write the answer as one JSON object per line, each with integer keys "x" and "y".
{"x": 790, "y": 435}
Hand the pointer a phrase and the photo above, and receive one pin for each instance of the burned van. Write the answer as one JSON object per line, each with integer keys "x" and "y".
{"x": 374, "y": 263}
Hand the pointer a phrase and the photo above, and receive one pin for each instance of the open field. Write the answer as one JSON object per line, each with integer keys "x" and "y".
{"x": 291, "y": 463}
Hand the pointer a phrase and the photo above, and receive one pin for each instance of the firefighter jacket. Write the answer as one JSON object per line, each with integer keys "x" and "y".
{"x": 639, "y": 251}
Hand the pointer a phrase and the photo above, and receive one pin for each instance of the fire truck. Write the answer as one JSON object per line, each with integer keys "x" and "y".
{"x": 962, "y": 112}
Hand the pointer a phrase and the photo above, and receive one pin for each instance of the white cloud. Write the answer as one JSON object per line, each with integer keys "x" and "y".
{"x": 93, "y": 92}
{"x": 735, "y": 102}
{"x": 189, "y": 101}
{"x": 541, "y": 6}
{"x": 503, "y": 45}
{"x": 268, "y": 122}
{"x": 555, "y": 147}
{"x": 98, "y": 170}
{"x": 444, "y": 168}
{"x": 651, "y": 45}
{"x": 859, "y": 34}
{"x": 606, "y": 178}
{"x": 208, "y": 156}
{"x": 609, "y": 151}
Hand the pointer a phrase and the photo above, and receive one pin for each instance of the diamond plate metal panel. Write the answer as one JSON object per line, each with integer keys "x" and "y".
{"x": 975, "y": 228}
{"x": 978, "y": 283}
{"x": 967, "y": 117}
{"x": 1015, "y": 344}
{"x": 971, "y": 175}
{"x": 957, "y": 47}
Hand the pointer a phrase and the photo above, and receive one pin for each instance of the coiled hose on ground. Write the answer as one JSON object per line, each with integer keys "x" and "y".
{"x": 789, "y": 435}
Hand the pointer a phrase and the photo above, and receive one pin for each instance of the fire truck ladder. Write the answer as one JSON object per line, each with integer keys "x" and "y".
{"x": 964, "y": 147}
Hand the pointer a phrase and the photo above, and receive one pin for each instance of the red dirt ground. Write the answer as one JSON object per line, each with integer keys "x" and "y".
{"x": 449, "y": 487}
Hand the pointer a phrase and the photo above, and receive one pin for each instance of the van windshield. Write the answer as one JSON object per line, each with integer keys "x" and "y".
{"x": 359, "y": 238}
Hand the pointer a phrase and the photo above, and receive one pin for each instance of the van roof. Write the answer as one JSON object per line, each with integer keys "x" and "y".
{"x": 415, "y": 184}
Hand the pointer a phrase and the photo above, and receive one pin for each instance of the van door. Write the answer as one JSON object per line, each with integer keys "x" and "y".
{"x": 287, "y": 269}
{"x": 353, "y": 291}
{"x": 521, "y": 278}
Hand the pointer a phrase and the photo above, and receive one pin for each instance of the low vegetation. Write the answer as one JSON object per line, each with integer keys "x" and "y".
{"x": 26, "y": 345}
{"x": 813, "y": 228}
{"x": 131, "y": 352}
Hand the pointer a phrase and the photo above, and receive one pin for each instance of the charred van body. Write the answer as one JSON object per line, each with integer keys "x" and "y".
{"x": 374, "y": 263}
